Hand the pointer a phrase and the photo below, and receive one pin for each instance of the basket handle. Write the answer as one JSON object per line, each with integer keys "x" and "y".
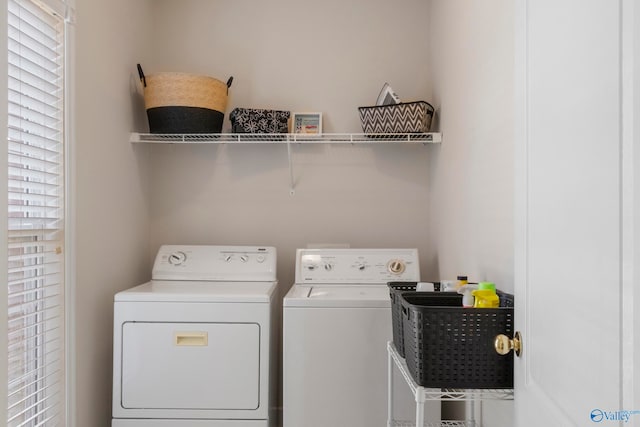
{"x": 143, "y": 79}
{"x": 405, "y": 311}
{"x": 229, "y": 84}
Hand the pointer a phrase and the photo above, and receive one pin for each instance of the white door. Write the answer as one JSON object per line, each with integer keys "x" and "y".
{"x": 571, "y": 246}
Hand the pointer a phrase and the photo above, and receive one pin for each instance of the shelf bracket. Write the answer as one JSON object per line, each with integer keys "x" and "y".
{"x": 292, "y": 190}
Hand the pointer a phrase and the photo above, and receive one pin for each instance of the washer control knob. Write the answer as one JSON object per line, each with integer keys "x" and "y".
{"x": 177, "y": 258}
{"x": 396, "y": 266}
{"x": 244, "y": 258}
{"x": 228, "y": 258}
{"x": 260, "y": 258}
{"x": 328, "y": 266}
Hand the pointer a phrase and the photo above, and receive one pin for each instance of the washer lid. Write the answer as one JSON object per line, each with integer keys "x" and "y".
{"x": 193, "y": 291}
{"x": 338, "y": 296}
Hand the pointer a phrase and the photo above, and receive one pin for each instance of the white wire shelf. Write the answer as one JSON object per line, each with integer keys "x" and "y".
{"x": 289, "y": 139}
{"x": 446, "y": 393}
{"x": 286, "y": 138}
{"x": 423, "y": 394}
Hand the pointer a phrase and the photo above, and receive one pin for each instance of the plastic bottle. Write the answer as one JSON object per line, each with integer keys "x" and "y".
{"x": 467, "y": 294}
{"x": 485, "y": 296}
{"x": 448, "y": 285}
{"x": 462, "y": 280}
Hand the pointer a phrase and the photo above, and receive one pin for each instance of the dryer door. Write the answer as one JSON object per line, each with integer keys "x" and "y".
{"x": 199, "y": 366}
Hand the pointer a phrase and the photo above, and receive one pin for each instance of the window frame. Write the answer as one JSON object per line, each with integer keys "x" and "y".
{"x": 66, "y": 10}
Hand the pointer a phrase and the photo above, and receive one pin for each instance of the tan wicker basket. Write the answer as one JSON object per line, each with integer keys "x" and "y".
{"x": 184, "y": 103}
{"x": 185, "y": 90}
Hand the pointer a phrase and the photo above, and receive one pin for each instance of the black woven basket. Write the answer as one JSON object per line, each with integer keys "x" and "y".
{"x": 395, "y": 288}
{"x": 449, "y": 346}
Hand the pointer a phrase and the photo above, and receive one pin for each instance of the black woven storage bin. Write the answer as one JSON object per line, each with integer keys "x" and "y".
{"x": 449, "y": 346}
{"x": 395, "y": 288}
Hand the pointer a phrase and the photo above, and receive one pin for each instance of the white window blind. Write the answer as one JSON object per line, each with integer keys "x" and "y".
{"x": 36, "y": 341}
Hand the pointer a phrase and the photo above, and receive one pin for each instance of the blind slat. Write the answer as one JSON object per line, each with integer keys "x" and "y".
{"x": 27, "y": 100}
{"x": 32, "y": 163}
{"x": 43, "y": 177}
{"x": 52, "y": 333}
{"x": 17, "y": 319}
{"x": 32, "y": 127}
{"x": 20, "y": 183}
{"x": 26, "y": 112}
{"x": 29, "y": 396}
{"x": 46, "y": 277}
{"x": 51, "y": 375}
{"x": 13, "y": 322}
{"x": 23, "y": 64}
{"x": 35, "y": 224}
{"x": 22, "y": 45}
{"x": 27, "y": 376}
{"x": 24, "y": 306}
{"x": 39, "y": 23}
{"x": 41, "y": 410}
{"x": 16, "y": 362}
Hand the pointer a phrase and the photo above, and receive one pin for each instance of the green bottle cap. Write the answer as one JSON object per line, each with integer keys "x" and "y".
{"x": 487, "y": 286}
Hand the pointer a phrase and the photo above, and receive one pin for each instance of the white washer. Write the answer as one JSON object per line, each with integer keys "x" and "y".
{"x": 194, "y": 347}
{"x": 337, "y": 322}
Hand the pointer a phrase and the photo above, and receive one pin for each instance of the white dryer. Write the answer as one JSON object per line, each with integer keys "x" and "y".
{"x": 194, "y": 347}
{"x": 337, "y": 322}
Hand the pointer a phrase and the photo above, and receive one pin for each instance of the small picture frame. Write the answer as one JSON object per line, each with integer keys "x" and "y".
{"x": 306, "y": 123}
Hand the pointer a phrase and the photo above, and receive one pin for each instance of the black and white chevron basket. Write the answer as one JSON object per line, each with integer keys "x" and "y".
{"x": 406, "y": 117}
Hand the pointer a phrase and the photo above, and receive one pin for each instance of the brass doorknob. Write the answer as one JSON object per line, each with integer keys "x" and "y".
{"x": 503, "y": 344}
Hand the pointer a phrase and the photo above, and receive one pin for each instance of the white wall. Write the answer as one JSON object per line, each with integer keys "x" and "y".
{"x": 300, "y": 56}
{"x": 453, "y": 202}
{"x": 471, "y": 179}
{"x": 132, "y": 198}
{"x": 471, "y": 176}
{"x": 111, "y": 190}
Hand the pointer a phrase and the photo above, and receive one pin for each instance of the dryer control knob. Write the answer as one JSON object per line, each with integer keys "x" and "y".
{"x": 177, "y": 258}
{"x": 244, "y": 258}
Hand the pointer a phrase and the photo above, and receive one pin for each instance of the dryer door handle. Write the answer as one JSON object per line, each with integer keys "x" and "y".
{"x": 191, "y": 338}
